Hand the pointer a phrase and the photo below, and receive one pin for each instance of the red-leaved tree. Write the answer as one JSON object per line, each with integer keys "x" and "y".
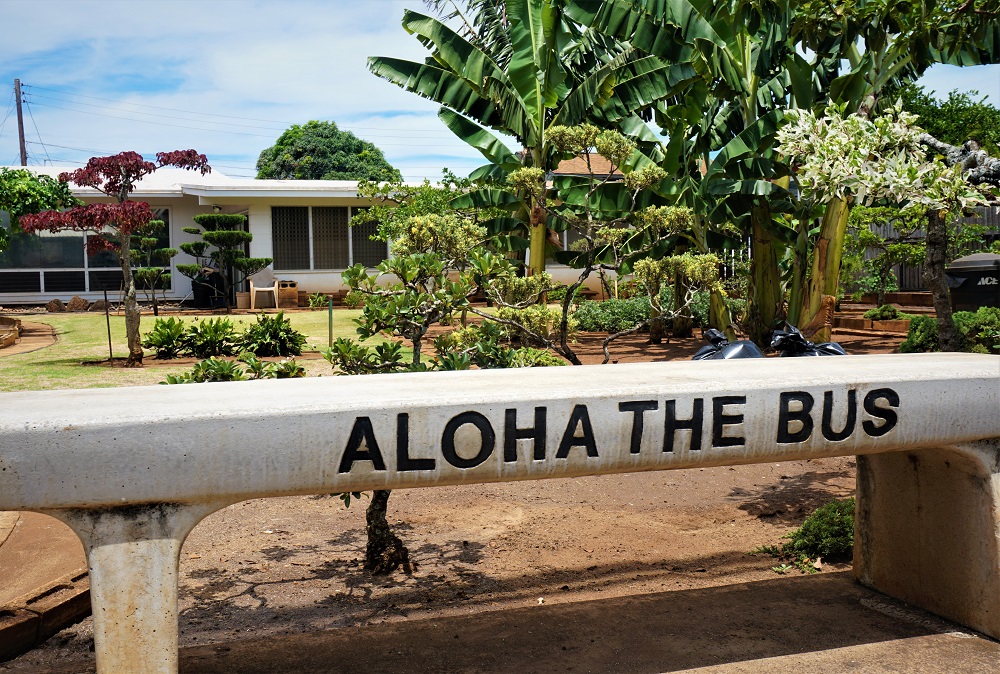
{"x": 110, "y": 226}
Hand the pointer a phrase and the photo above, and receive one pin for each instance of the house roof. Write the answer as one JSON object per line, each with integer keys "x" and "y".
{"x": 600, "y": 165}
{"x": 174, "y": 182}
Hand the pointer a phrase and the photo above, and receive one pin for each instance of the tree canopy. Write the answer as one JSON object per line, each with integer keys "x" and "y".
{"x": 321, "y": 151}
{"x": 23, "y": 192}
{"x": 960, "y": 117}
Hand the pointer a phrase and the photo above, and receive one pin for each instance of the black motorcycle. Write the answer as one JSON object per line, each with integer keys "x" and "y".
{"x": 790, "y": 343}
{"x": 720, "y": 348}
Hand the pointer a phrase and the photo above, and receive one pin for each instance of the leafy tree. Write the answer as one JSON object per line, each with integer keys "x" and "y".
{"x": 221, "y": 249}
{"x": 23, "y": 192}
{"x": 111, "y": 226}
{"x": 321, "y": 151}
{"x": 962, "y": 116}
{"x": 854, "y": 158}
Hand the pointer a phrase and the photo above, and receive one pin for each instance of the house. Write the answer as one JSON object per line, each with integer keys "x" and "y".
{"x": 304, "y": 225}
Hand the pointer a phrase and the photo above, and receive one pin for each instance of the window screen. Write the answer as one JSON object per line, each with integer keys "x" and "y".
{"x": 367, "y": 252}
{"x": 290, "y": 235}
{"x": 330, "y": 237}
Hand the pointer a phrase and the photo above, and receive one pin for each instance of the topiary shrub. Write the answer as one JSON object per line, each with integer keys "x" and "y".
{"x": 272, "y": 336}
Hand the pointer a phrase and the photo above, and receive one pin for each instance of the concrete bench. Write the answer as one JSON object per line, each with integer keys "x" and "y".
{"x": 133, "y": 470}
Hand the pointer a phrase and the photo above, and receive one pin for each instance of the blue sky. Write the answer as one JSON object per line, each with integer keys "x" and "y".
{"x": 226, "y": 77}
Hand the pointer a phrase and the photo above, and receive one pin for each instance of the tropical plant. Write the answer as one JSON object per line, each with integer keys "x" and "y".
{"x": 321, "y": 151}
{"x": 166, "y": 338}
{"x": 527, "y": 67}
{"x": 111, "y": 226}
{"x": 318, "y": 300}
{"x": 272, "y": 336}
{"x": 218, "y": 369}
{"x": 211, "y": 337}
{"x": 221, "y": 249}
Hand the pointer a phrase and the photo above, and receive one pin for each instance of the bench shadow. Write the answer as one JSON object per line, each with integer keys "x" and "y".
{"x": 793, "y": 498}
{"x": 662, "y": 632}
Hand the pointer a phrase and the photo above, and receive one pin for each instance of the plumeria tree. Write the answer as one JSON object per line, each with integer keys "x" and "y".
{"x": 111, "y": 226}
{"x": 879, "y": 161}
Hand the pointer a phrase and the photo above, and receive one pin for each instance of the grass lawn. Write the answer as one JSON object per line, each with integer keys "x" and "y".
{"x": 82, "y": 340}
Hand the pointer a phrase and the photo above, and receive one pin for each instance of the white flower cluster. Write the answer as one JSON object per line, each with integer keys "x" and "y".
{"x": 865, "y": 161}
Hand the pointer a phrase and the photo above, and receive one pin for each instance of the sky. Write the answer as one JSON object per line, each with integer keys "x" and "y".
{"x": 226, "y": 77}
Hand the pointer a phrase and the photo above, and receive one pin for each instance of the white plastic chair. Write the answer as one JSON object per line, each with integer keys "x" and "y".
{"x": 263, "y": 282}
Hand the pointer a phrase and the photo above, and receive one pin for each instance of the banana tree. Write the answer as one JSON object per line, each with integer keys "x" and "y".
{"x": 543, "y": 70}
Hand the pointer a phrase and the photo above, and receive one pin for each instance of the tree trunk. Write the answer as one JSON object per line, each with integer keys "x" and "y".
{"x": 133, "y": 315}
{"x": 656, "y": 327}
{"x": 718, "y": 315}
{"x": 539, "y": 234}
{"x": 765, "y": 281}
{"x": 827, "y": 254}
{"x": 682, "y": 323}
{"x": 934, "y": 279}
{"x": 385, "y": 550}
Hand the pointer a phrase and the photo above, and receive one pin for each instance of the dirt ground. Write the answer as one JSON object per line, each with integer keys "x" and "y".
{"x": 603, "y": 546}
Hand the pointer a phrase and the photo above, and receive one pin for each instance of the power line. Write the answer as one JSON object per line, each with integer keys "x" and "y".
{"x": 30, "y": 114}
{"x": 285, "y": 124}
{"x": 10, "y": 110}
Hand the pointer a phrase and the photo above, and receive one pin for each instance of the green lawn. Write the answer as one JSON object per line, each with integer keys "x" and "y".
{"x": 83, "y": 341}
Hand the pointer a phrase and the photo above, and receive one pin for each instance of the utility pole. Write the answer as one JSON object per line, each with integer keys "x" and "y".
{"x": 20, "y": 123}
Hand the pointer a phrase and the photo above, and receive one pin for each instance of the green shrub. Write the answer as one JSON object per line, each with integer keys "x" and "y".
{"x": 828, "y": 533}
{"x": 538, "y": 319}
{"x": 211, "y": 369}
{"x": 922, "y": 335}
{"x": 612, "y": 315}
{"x": 886, "y": 312}
{"x": 272, "y": 336}
{"x": 318, "y": 300}
{"x": 166, "y": 338}
{"x": 211, "y": 337}
{"x": 978, "y": 329}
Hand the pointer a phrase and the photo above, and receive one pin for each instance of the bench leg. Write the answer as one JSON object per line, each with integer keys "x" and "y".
{"x": 927, "y": 530}
{"x": 132, "y": 555}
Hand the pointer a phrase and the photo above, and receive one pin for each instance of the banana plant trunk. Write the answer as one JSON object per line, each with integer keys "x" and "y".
{"x": 718, "y": 315}
{"x": 765, "y": 279}
{"x": 934, "y": 279}
{"x": 825, "y": 275}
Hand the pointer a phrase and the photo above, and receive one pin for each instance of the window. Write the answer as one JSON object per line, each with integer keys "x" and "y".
{"x": 321, "y": 237}
{"x": 55, "y": 262}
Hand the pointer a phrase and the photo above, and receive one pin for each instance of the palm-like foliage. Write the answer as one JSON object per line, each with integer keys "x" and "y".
{"x": 519, "y": 68}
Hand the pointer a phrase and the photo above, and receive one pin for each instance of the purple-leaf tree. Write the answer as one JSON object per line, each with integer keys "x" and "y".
{"x": 111, "y": 226}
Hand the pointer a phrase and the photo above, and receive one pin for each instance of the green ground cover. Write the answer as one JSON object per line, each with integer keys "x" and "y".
{"x": 82, "y": 342}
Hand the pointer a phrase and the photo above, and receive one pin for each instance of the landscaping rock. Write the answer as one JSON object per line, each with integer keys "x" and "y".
{"x": 77, "y": 304}
{"x": 98, "y": 305}
{"x": 55, "y": 306}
